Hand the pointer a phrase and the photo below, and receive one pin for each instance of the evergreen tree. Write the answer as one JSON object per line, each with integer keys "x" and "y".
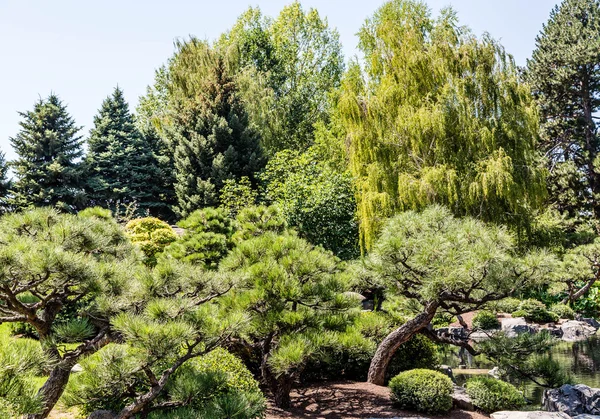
{"x": 5, "y": 184}
{"x": 120, "y": 163}
{"x": 47, "y": 169}
{"x": 436, "y": 115}
{"x": 209, "y": 127}
{"x": 564, "y": 73}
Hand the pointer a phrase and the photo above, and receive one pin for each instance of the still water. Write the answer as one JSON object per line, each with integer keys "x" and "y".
{"x": 580, "y": 359}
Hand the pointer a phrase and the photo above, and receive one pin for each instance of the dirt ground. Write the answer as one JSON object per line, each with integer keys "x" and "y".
{"x": 346, "y": 399}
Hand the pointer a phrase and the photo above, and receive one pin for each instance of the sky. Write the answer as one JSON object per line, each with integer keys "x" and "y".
{"x": 81, "y": 50}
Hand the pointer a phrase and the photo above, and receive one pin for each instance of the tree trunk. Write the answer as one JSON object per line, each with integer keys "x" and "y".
{"x": 281, "y": 391}
{"x": 572, "y": 297}
{"x": 388, "y": 347}
{"x": 53, "y": 388}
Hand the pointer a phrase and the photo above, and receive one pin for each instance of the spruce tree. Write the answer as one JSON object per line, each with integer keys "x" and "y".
{"x": 209, "y": 128}
{"x": 120, "y": 163}
{"x": 48, "y": 171}
{"x": 5, "y": 184}
{"x": 564, "y": 73}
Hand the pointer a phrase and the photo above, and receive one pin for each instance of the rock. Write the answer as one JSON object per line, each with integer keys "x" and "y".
{"x": 461, "y": 400}
{"x": 586, "y": 417}
{"x": 457, "y": 332}
{"x": 494, "y": 372}
{"x": 573, "y": 400}
{"x": 592, "y": 322}
{"x": 77, "y": 368}
{"x": 102, "y": 414}
{"x": 555, "y": 331}
{"x": 529, "y": 415}
{"x": 480, "y": 335}
{"x": 575, "y": 330}
{"x": 513, "y": 327}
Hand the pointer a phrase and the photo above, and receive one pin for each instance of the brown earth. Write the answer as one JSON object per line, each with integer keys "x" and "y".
{"x": 348, "y": 399}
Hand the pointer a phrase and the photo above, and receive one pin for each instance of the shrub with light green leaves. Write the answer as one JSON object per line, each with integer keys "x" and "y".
{"x": 151, "y": 235}
{"x": 422, "y": 390}
{"x": 490, "y": 394}
{"x": 535, "y": 311}
{"x": 563, "y": 311}
{"x": 506, "y": 305}
{"x": 485, "y": 320}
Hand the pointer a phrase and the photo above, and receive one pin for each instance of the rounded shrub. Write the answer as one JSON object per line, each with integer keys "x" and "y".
{"x": 151, "y": 235}
{"x": 563, "y": 311}
{"x": 535, "y": 311}
{"x": 485, "y": 320}
{"x": 491, "y": 395}
{"x": 422, "y": 390}
{"x": 506, "y": 305}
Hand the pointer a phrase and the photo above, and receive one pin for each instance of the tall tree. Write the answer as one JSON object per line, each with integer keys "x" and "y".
{"x": 120, "y": 163}
{"x": 47, "y": 168}
{"x": 564, "y": 73}
{"x": 208, "y": 128}
{"x": 5, "y": 184}
{"x": 437, "y": 116}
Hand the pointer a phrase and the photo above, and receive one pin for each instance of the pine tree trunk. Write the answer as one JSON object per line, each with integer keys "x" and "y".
{"x": 281, "y": 391}
{"x": 388, "y": 347}
{"x": 53, "y": 388}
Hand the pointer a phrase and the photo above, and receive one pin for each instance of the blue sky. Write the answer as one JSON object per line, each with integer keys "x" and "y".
{"x": 82, "y": 49}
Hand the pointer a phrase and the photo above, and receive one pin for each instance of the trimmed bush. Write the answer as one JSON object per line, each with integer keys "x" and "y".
{"x": 535, "y": 311}
{"x": 485, "y": 320}
{"x": 151, "y": 235}
{"x": 422, "y": 390}
{"x": 506, "y": 305}
{"x": 563, "y": 311}
{"x": 491, "y": 395}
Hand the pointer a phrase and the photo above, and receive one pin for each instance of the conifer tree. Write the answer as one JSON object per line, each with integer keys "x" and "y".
{"x": 47, "y": 168}
{"x": 209, "y": 128}
{"x": 120, "y": 163}
{"x": 5, "y": 184}
{"x": 564, "y": 73}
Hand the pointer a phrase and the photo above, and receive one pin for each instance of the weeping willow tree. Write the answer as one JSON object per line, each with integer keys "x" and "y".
{"x": 436, "y": 115}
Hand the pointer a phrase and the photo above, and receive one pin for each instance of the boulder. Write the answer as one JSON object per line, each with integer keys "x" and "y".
{"x": 102, "y": 414}
{"x": 480, "y": 335}
{"x": 461, "y": 400}
{"x": 573, "y": 400}
{"x": 456, "y": 332}
{"x": 575, "y": 330}
{"x": 529, "y": 415}
{"x": 513, "y": 327}
{"x": 494, "y": 372}
{"x": 586, "y": 417}
{"x": 591, "y": 321}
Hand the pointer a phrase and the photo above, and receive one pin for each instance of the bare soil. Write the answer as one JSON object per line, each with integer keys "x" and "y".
{"x": 348, "y": 399}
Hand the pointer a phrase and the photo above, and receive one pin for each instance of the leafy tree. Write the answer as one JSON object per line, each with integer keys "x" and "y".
{"x": 47, "y": 168}
{"x": 50, "y": 261}
{"x": 288, "y": 68}
{"x": 315, "y": 199}
{"x": 166, "y": 317}
{"x": 440, "y": 263}
{"x": 237, "y": 195}
{"x": 295, "y": 297}
{"x": 437, "y": 116}
{"x": 120, "y": 163}
{"x": 564, "y": 74}
{"x": 209, "y": 129}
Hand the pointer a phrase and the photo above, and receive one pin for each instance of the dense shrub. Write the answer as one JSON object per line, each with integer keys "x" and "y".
{"x": 151, "y": 235}
{"x": 563, "y": 311}
{"x": 422, "y": 390}
{"x": 485, "y": 320}
{"x": 491, "y": 395}
{"x": 534, "y": 311}
{"x": 506, "y": 305}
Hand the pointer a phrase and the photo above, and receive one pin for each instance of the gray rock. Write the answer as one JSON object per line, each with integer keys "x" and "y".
{"x": 586, "y": 417}
{"x": 555, "y": 331}
{"x": 515, "y": 326}
{"x": 592, "y": 322}
{"x": 461, "y": 400}
{"x": 575, "y": 330}
{"x": 494, "y": 372}
{"x": 457, "y": 332}
{"x": 529, "y": 415}
{"x": 480, "y": 335}
{"x": 573, "y": 400}
{"x": 102, "y": 414}
{"x": 77, "y": 368}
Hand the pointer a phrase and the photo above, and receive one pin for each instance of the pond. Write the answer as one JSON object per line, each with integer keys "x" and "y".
{"x": 580, "y": 359}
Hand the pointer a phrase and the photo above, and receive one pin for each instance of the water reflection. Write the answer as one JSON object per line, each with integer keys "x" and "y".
{"x": 581, "y": 359}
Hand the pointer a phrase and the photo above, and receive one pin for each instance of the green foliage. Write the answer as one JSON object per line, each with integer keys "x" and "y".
{"x": 288, "y": 67}
{"x": 315, "y": 199}
{"x": 48, "y": 148}
{"x": 255, "y": 221}
{"x": 485, "y": 320}
{"x": 422, "y": 82}
{"x": 506, "y": 305}
{"x": 5, "y": 184}
{"x": 492, "y": 395}
{"x": 422, "y": 390}
{"x": 120, "y": 165}
{"x": 208, "y": 129}
{"x": 563, "y": 311}
{"x": 207, "y": 238}
{"x": 151, "y": 235}
{"x": 535, "y": 311}
{"x": 563, "y": 76}
{"x": 237, "y": 195}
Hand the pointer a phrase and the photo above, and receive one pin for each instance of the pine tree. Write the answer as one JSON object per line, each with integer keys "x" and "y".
{"x": 47, "y": 169}
{"x": 5, "y": 184}
{"x": 120, "y": 163}
{"x": 210, "y": 131}
{"x": 564, "y": 73}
